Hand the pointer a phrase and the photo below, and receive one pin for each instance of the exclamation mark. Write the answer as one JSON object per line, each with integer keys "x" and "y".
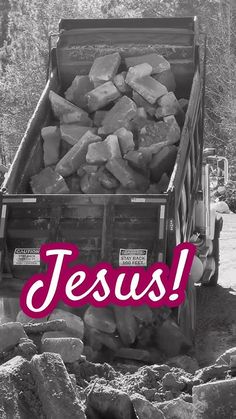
{"x": 179, "y": 274}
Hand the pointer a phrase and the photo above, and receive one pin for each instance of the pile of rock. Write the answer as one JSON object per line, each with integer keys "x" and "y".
{"x": 36, "y": 383}
{"x": 115, "y": 131}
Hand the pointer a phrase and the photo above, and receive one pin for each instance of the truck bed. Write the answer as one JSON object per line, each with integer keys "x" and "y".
{"x": 103, "y": 227}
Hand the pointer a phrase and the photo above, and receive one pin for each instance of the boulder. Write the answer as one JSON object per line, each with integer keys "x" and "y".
{"x": 215, "y": 400}
{"x": 102, "y": 96}
{"x": 51, "y": 145}
{"x": 119, "y": 115}
{"x": 76, "y": 156}
{"x": 70, "y": 349}
{"x": 48, "y": 182}
{"x": 149, "y": 88}
{"x": 54, "y": 387}
{"x": 74, "y": 324}
{"x": 157, "y": 62}
{"x": 104, "y": 68}
{"x": 78, "y": 90}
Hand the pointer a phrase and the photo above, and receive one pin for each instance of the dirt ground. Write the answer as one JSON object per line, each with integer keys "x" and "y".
{"x": 216, "y": 307}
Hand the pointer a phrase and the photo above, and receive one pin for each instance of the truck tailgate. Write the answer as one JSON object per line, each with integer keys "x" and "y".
{"x": 123, "y": 230}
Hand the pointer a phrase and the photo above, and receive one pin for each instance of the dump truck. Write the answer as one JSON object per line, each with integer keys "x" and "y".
{"x": 110, "y": 227}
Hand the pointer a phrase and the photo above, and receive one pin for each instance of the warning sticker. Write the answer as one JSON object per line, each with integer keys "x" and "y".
{"x": 133, "y": 257}
{"x": 26, "y": 256}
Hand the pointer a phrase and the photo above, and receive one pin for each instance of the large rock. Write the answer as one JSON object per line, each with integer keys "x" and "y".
{"x": 168, "y": 105}
{"x": 72, "y": 133}
{"x": 61, "y": 106}
{"x": 149, "y": 88}
{"x": 110, "y": 402}
{"x": 163, "y": 162}
{"x": 224, "y": 359}
{"x": 77, "y": 91}
{"x": 69, "y": 348}
{"x": 76, "y": 156}
{"x": 24, "y": 319}
{"x": 10, "y": 335}
{"x": 126, "y": 324}
{"x": 176, "y": 409}
{"x": 54, "y": 387}
{"x": 17, "y": 396}
{"x": 144, "y": 409}
{"x": 157, "y": 62}
{"x": 170, "y": 339}
{"x": 126, "y": 175}
{"x": 48, "y": 182}
{"x": 166, "y": 132}
{"x": 119, "y": 82}
{"x": 104, "y": 68}
{"x": 51, "y": 145}
{"x": 126, "y": 140}
{"x": 213, "y": 372}
{"x": 119, "y": 115}
{"x": 137, "y": 72}
{"x": 74, "y": 324}
{"x": 166, "y": 78}
{"x": 102, "y": 96}
{"x": 141, "y": 102}
{"x": 184, "y": 362}
{"x": 90, "y": 184}
{"x": 101, "y": 318}
{"x": 215, "y": 400}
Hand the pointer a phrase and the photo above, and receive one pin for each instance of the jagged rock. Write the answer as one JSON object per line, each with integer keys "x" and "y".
{"x": 72, "y": 133}
{"x": 168, "y": 105}
{"x": 77, "y": 91}
{"x": 104, "y": 68}
{"x": 215, "y": 400}
{"x": 137, "y": 72}
{"x": 141, "y": 102}
{"x": 185, "y": 362}
{"x": 101, "y": 318}
{"x": 17, "y": 396}
{"x": 157, "y": 62}
{"x": 119, "y": 115}
{"x": 212, "y": 372}
{"x": 54, "y": 387}
{"x": 149, "y": 88}
{"x": 119, "y": 82}
{"x": 24, "y": 319}
{"x": 126, "y": 140}
{"x": 167, "y": 132}
{"x": 224, "y": 359}
{"x": 69, "y": 348}
{"x": 110, "y": 402}
{"x": 166, "y": 78}
{"x": 61, "y": 106}
{"x": 170, "y": 339}
{"x": 90, "y": 184}
{"x": 10, "y": 335}
{"x": 48, "y": 182}
{"x": 163, "y": 162}
{"x": 144, "y": 409}
{"x": 99, "y": 117}
{"x": 176, "y": 409}
{"x": 102, "y": 96}
{"x": 126, "y": 324}
{"x": 51, "y": 145}
{"x": 126, "y": 175}
{"x": 76, "y": 156}
{"x": 74, "y": 324}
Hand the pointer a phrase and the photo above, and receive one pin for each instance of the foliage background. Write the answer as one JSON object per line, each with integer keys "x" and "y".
{"x": 24, "y": 30}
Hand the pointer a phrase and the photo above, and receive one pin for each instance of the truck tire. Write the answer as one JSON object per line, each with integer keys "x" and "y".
{"x": 216, "y": 253}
